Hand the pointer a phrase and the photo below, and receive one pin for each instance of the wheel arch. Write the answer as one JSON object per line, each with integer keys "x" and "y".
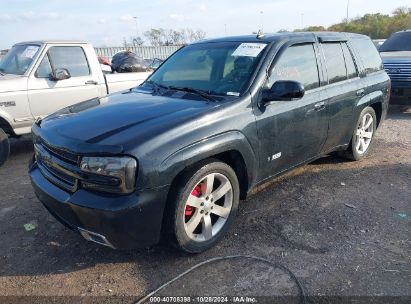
{"x": 375, "y": 101}
{"x": 6, "y": 126}
{"x": 231, "y": 148}
{"x": 377, "y": 106}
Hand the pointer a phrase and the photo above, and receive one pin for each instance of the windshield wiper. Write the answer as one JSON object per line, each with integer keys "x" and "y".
{"x": 204, "y": 94}
{"x": 156, "y": 85}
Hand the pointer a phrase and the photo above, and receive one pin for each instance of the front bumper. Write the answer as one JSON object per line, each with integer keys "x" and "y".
{"x": 400, "y": 93}
{"x": 125, "y": 222}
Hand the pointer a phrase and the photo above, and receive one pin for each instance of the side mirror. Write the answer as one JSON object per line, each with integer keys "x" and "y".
{"x": 60, "y": 74}
{"x": 285, "y": 90}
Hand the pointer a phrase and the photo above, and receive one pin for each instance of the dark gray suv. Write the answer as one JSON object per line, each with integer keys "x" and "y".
{"x": 175, "y": 155}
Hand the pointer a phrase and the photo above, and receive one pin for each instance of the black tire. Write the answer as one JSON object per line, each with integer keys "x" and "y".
{"x": 175, "y": 214}
{"x": 4, "y": 147}
{"x": 352, "y": 153}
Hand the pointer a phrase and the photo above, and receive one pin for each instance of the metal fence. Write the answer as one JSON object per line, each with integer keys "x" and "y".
{"x": 147, "y": 52}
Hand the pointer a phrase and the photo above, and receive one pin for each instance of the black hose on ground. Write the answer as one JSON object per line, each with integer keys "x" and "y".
{"x": 230, "y": 257}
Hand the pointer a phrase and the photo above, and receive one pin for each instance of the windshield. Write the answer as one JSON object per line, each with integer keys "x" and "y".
{"x": 19, "y": 59}
{"x": 397, "y": 42}
{"x": 223, "y": 68}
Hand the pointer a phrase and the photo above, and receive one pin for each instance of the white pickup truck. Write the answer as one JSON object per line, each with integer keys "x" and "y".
{"x": 40, "y": 77}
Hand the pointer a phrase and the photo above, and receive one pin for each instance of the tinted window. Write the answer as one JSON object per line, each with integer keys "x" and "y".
{"x": 349, "y": 62}
{"x": 71, "y": 58}
{"x": 297, "y": 63}
{"x": 397, "y": 42}
{"x": 223, "y": 68}
{"x": 369, "y": 55}
{"x": 44, "y": 69}
{"x": 334, "y": 59}
{"x": 194, "y": 66}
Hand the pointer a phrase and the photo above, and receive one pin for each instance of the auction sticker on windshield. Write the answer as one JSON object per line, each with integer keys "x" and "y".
{"x": 249, "y": 49}
{"x": 30, "y": 51}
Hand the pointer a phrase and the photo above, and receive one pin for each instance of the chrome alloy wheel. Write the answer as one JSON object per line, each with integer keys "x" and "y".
{"x": 208, "y": 207}
{"x": 364, "y": 134}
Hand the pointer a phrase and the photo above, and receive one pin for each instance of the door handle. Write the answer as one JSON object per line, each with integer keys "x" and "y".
{"x": 91, "y": 82}
{"x": 319, "y": 106}
{"x": 360, "y": 93}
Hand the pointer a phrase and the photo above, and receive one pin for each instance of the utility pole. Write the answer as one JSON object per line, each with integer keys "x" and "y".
{"x": 348, "y": 7}
{"x": 225, "y": 29}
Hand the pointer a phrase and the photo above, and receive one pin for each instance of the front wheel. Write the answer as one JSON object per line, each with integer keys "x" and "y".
{"x": 4, "y": 147}
{"x": 363, "y": 135}
{"x": 203, "y": 206}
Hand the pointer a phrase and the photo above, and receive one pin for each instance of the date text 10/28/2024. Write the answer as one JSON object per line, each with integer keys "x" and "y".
{"x": 205, "y": 299}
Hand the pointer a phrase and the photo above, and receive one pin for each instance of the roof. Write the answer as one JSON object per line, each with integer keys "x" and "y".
{"x": 403, "y": 31}
{"x": 53, "y": 42}
{"x": 286, "y": 35}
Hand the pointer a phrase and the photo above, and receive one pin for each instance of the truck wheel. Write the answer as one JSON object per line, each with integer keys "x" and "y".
{"x": 363, "y": 136}
{"x": 202, "y": 206}
{"x": 4, "y": 147}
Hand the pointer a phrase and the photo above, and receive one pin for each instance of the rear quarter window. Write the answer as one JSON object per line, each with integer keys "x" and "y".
{"x": 369, "y": 55}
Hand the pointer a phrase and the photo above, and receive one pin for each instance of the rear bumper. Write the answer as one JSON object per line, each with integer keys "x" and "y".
{"x": 120, "y": 222}
{"x": 400, "y": 93}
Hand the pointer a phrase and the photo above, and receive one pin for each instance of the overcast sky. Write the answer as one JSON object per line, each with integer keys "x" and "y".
{"x": 106, "y": 22}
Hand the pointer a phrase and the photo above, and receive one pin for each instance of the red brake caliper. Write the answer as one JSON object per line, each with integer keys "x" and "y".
{"x": 190, "y": 210}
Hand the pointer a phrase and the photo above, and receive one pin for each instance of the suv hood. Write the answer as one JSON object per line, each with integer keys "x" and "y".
{"x": 114, "y": 123}
{"x": 402, "y": 55}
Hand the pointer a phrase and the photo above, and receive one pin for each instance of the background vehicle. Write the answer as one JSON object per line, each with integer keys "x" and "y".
{"x": 214, "y": 120}
{"x": 127, "y": 61}
{"x": 396, "y": 54}
{"x": 378, "y": 42}
{"x": 2, "y": 54}
{"x": 153, "y": 63}
{"x": 41, "y": 77}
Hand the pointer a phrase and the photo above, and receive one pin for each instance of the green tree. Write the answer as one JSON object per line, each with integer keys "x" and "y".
{"x": 376, "y": 26}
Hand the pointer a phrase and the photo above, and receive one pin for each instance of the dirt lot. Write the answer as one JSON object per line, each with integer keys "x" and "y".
{"x": 343, "y": 228}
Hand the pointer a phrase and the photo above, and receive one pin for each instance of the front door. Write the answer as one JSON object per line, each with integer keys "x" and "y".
{"x": 292, "y": 132}
{"x": 47, "y": 96}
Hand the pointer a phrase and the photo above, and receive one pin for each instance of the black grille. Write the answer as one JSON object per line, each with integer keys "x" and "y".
{"x": 58, "y": 166}
{"x": 61, "y": 154}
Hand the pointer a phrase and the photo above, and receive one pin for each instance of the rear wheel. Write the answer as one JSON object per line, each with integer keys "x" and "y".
{"x": 4, "y": 147}
{"x": 363, "y": 135}
{"x": 203, "y": 206}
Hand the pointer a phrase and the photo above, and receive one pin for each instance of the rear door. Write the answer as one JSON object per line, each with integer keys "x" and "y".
{"x": 292, "y": 132}
{"x": 47, "y": 96}
{"x": 344, "y": 90}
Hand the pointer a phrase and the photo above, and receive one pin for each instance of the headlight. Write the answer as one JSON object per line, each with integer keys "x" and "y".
{"x": 109, "y": 174}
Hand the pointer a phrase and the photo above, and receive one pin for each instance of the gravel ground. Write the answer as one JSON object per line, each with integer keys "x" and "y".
{"x": 343, "y": 228}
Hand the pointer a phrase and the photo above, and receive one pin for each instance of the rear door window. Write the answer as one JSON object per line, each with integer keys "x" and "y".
{"x": 369, "y": 55}
{"x": 349, "y": 62}
{"x": 334, "y": 58}
{"x": 297, "y": 63}
{"x": 71, "y": 58}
